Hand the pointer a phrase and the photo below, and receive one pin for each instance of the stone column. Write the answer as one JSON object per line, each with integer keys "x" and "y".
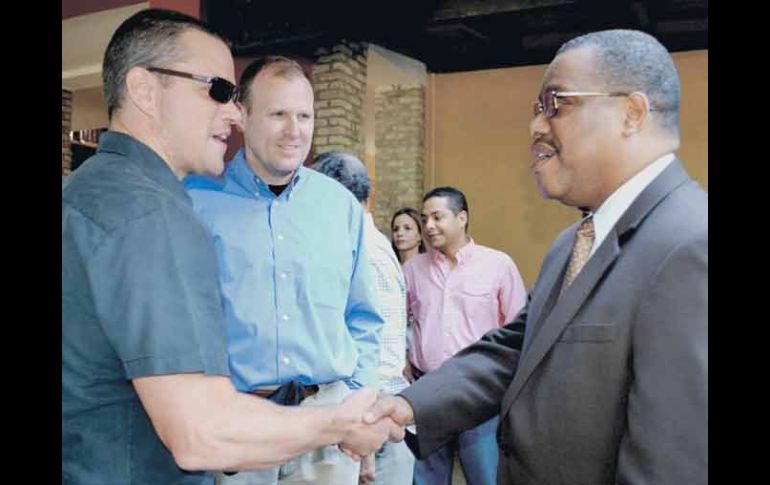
{"x": 339, "y": 82}
{"x": 400, "y": 149}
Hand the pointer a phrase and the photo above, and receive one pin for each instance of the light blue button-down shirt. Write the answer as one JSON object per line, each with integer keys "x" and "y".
{"x": 294, "y": 277}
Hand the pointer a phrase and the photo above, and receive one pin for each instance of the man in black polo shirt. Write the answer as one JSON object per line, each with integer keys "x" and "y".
{"x": 145, "y": 387}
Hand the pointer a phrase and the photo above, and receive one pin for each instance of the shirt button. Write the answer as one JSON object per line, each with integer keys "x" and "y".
{"x": 283, "y": 276}
{"x": 285, "y": 360}
{"x": 280, "y": 237}
{"x": 285, "y": 317}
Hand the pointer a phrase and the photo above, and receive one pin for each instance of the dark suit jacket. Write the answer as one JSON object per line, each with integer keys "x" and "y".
{"x": 609, "y": 384}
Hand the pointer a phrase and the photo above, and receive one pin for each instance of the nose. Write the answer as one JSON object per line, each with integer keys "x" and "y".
{"x": 538, "y": 126}
{"x": 232, "y": 114}
{"x": 292, "y": 126}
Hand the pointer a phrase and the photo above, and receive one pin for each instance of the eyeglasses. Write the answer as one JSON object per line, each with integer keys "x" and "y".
{"x": 221, "y": 90}
{"x": 548, "y": 102}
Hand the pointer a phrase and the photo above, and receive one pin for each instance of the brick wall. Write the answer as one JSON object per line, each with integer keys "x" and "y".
{"x": 66, "y": 123}
{"x": 339, "y": 82}
{"x": 399, "y": 142}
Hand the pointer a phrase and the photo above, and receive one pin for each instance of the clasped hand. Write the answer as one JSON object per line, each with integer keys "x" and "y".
{"x": 376, "y": 420}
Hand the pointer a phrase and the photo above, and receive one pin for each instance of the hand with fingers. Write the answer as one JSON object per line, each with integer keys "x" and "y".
{"x": 367, "y": 474}
{"x": 396, "y": 408}
{"x": 364, "y": 438}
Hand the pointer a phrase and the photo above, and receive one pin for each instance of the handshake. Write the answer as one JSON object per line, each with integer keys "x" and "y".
{"x": 371, "y": 420}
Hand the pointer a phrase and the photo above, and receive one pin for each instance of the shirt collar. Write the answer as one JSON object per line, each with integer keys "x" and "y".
{"x": 463, "y": 255}
{"x": 369, "y": 219}
{"x": 145, "y": 158}
{"x": 240, "y": 170}
{"x": 616, "y": 204}
{"x": 377, "y": 237}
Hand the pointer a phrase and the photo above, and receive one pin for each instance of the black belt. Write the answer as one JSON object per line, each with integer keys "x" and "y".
{"x": 290, "y": 394}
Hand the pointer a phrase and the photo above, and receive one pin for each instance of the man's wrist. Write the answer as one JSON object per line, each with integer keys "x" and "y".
{"x": 340, "y": 425}
{"x": 406, "y": 411}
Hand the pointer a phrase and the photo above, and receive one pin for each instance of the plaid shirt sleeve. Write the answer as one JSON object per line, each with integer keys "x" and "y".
{"x": 390, "y": 294}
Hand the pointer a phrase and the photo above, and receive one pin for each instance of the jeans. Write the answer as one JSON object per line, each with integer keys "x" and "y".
{"x": 394, "y": 464}
{"x": 478, "y": 453}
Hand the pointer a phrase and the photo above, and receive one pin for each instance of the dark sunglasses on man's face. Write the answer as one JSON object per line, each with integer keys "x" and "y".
{"x": 221, "y": 90}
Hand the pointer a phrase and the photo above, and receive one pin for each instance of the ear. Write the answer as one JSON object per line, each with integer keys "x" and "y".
{"x": 142, "y": 89}
{"x": 637, "y": 108}
{"x": 463, "y": 216}
{"x": 240, "y": 124}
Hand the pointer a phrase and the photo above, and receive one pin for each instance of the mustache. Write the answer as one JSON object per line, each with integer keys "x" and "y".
{"x": 543, "y": 148}
{"x": 542, "y": 140}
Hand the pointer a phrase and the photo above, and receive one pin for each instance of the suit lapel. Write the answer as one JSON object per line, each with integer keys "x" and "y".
{"x": 540, "y": 307}
{"x": 562, "y": 313}
{"x": 548, "y": 317}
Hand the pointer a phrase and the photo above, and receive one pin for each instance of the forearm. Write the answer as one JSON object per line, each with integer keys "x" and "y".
{"x": 208, "y": 425}
{"x": 467, "y": 389}
{"x": 251, "y": 432}
{"x": 456, "y": 394}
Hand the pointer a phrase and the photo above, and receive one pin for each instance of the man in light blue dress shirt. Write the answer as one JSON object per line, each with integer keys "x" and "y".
{"x": 295, "y": 282}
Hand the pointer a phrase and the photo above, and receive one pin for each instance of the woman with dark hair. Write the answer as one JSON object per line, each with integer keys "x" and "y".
{"x": 407, "y": 242}
{"x": 406, "y": 234}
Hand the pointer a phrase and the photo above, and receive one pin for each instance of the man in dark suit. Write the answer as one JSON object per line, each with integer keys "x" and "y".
{"x": 602, "y": 377}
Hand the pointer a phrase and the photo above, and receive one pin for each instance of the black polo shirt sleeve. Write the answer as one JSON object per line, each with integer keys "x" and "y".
{"x": 156, "y": 292}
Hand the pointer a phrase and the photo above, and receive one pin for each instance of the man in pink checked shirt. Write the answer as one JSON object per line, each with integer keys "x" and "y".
{"x": 456, "y": 293}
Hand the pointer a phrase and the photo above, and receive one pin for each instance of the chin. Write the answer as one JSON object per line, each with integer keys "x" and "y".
{"x": 213, "y": 168}
{"x": 544, "y": 192}
{"x": 289, "y": 167}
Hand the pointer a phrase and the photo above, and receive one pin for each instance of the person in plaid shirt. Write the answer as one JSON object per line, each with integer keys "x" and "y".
{"x": 393, "y": 464}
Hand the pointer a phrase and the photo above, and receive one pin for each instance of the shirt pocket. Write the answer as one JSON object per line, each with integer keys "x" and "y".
{"x": 328, "y": 285}
{"x": 479, "y": 304}
{"x": 589, "y": 333}
{"x": 476, "y": 292}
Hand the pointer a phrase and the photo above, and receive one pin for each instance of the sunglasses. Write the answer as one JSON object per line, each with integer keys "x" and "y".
{"x": 221, "y": 90}
{"x": 548, "y": 102}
